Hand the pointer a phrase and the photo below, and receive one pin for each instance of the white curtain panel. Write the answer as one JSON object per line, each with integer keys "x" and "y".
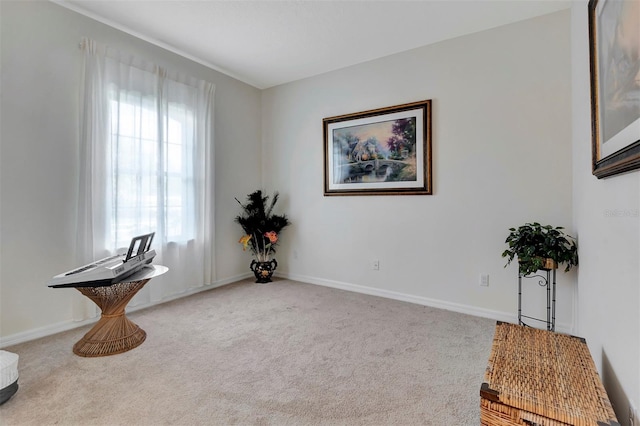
{"x": 146, "y": 165}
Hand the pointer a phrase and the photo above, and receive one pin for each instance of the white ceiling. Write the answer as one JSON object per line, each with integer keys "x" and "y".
{"x": 267, "y": 43}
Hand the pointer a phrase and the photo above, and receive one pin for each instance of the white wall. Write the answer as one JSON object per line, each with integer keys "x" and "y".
{"x": 41, "y": 65}
{"x": 607, "y": 216}
{"x": 501, "y": 157}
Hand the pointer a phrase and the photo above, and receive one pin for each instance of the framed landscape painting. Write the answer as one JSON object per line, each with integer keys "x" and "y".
{"x": 614, "y": 42}
{"x": 385, "y": 151}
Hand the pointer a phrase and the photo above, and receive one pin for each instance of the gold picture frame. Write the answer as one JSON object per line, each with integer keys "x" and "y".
{"x": 614, "y": 51}
{"x": 385, "y": 151}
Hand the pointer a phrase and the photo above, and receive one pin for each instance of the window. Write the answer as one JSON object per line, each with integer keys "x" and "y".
{"x": 151, "y": 173}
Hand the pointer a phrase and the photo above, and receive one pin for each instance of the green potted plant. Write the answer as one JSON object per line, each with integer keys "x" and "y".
{"x": 262, "y": 228}
{"x": 540, "y": 247}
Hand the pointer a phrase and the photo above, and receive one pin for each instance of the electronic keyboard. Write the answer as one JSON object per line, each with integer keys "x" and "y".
{"x": 109, "y": 270}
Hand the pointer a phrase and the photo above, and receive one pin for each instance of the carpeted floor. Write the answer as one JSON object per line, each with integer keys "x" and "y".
{"x": 283, "y": 353}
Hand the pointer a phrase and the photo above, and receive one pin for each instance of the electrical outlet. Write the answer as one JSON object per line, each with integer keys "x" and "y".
{"x": 375, "y": 265}
{"x": 484, "y": 280}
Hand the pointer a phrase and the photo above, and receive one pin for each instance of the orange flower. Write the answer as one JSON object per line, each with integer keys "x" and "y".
{"x": 245, "y": 241}
{"x": 272, "y": 236}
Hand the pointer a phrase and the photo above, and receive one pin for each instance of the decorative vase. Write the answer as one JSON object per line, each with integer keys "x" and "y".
{"x": 263, "y": 270}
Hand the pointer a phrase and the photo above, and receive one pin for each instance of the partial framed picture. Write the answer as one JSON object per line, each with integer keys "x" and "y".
{"x": 614, "y": 41}
{"x": 384, "y": 151}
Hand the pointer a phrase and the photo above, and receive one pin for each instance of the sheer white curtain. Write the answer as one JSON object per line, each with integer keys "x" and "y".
{"x": 146, "y": 165}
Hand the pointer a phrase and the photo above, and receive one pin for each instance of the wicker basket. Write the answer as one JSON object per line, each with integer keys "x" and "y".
{"x": 537, "y": 377}
{"x": 549, "y": 264}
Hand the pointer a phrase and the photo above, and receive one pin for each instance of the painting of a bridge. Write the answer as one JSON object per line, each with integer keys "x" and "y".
{"x": 380, "y": 152}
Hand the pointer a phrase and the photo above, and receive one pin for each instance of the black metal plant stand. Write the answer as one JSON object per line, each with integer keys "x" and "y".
{"x": 549, "y": 281}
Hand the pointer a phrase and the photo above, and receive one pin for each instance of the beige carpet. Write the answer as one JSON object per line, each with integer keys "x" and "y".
{"x": 283, "y": 353}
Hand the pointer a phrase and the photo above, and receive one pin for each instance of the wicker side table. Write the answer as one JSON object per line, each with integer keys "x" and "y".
{"x": 114, "y": 333}
{"x": 538, "y": 377}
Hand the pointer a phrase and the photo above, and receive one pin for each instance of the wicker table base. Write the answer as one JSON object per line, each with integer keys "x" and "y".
{"x": 114, "y": 333}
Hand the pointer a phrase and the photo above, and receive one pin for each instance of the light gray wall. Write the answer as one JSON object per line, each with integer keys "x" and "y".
{"x": 501, "y": 157}
{"x": 41, "y": 65}
{"x": 607, "y": 216}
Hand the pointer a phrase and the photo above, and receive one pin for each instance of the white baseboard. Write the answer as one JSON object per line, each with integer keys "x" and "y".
{"x": 419, "y": 300}
{"x": 425, "y": 301}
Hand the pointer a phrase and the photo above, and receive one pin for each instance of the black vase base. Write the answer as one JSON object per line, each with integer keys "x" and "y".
{"x": 263, "y": 271}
